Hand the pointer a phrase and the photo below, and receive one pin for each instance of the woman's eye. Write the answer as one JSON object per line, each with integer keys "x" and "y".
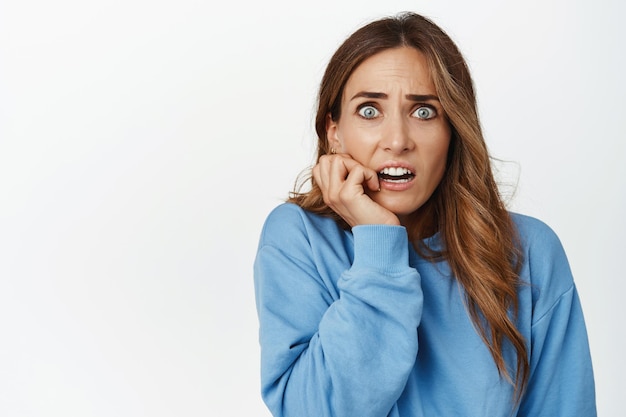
{"x": 368, "y": 112}
{"x": 425, "y": 113}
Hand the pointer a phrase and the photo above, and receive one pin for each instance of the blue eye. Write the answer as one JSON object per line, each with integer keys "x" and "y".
{"x": 368, "y": 112}
{"x": 425, "y": 113}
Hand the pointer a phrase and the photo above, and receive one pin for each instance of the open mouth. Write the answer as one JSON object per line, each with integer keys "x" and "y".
{"x": 396, "y": 175}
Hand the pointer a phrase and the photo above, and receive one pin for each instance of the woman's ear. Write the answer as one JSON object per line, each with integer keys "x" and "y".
{"x": 332, "y": 133}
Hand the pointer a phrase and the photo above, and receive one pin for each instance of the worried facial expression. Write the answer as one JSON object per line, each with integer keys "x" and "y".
{"x": 392, "y": 122}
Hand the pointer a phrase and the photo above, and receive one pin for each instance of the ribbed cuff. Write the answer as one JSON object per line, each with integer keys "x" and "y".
{"x": 381, "y": 247}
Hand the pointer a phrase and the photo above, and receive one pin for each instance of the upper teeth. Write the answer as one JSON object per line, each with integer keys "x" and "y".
{"x": 396, "y": 172}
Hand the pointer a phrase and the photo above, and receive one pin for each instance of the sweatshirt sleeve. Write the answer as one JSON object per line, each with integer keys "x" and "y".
{"x": 561, "y": 377}
{"x": 348, "y": 354}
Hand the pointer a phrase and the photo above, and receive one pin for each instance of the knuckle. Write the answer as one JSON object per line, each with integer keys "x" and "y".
{"x": 358, "y": 169}
{"x": 344, "y": 196}
{"x": 333, "y": 199}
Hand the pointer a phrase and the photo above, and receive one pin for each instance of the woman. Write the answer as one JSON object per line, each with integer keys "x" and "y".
{"x": 399, "y": 285}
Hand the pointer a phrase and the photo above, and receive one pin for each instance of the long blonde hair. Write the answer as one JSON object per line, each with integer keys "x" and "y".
{"x": 480, "y": 242}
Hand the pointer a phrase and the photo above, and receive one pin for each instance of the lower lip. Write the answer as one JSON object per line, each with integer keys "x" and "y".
{"x": 396, "y": 186}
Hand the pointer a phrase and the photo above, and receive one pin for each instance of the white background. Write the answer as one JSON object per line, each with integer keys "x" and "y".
{"x": 142, "y": 144}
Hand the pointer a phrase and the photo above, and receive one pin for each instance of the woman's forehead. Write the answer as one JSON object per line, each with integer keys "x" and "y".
{"x": 405, "y": 68}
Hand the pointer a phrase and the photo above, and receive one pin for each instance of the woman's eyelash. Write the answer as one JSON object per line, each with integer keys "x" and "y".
{"x": 368, "y": 110}
{"x": 360, "y": 106}
{"x": 425, "y": 111}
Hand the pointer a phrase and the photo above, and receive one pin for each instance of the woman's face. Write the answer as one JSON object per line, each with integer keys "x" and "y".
{"x": 392, "y": 122}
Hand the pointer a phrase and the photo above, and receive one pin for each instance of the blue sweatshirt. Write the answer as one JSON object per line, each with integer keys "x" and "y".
{"x": 356, "y": 323}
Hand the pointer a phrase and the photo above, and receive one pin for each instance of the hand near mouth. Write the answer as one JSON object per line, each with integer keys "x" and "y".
{"x": 342, "y": 181}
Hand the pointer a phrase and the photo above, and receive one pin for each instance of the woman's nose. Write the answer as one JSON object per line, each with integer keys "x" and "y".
{"x": 396, "y": 137}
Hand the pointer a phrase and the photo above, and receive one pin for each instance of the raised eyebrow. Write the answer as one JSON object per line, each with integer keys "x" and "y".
{"x": 421, "y": 97}
{"x": 369, "y": 94}
{"x": 412, "y": 97}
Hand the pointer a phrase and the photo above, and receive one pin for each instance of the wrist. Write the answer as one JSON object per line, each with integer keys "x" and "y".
{"x": 380, "y": 246}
